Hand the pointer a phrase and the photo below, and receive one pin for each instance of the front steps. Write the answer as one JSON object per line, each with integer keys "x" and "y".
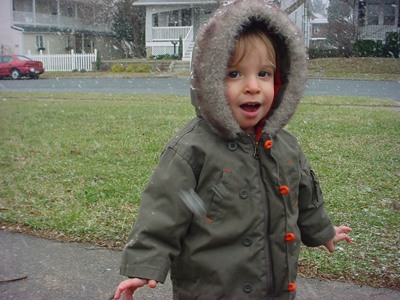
{"x": 180, "y": 66}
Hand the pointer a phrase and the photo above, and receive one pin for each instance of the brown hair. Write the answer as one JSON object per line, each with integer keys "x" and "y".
{"x": 249, "y": 37}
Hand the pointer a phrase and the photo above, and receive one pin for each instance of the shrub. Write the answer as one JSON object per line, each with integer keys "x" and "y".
{"x": 180, "y": 48}
{"x": 98, "y": 61}
{"x": 145, "y": 68}
{"x": 371, "y": 48}
{"x": 131, "y": 68}
{"x": 368, "y": 48}
{"x": 117, "y": 68}
{"x": 165, "y": 56}
{"x": 392, "y": 44}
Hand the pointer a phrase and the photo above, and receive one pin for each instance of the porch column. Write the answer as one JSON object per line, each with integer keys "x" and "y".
{"x": 58, "y": 13}
{"x": 149, "y": 25}
{"x": 34, "y": 11}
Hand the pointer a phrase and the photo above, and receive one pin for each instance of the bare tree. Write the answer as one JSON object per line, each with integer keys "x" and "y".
{"x": 128, "y": 23}
{"x": 341, "y": 31}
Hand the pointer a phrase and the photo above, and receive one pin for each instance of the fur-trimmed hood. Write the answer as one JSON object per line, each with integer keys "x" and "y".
{"x": 214, "y": 44}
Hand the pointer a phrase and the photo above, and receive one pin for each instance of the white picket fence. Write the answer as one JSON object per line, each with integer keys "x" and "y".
{"x": 65, "y": 62}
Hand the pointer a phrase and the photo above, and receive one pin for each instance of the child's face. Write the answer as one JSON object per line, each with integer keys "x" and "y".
{"x": 250, "y": 86}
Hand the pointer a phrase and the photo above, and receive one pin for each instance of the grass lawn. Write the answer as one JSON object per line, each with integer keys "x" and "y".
{"x": 365, "y": 68}
{"x": 73, "y": 167}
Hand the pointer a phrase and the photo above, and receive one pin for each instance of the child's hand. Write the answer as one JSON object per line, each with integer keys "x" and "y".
{"x": 338, "y": 237}
{"x": 128, "y": 287}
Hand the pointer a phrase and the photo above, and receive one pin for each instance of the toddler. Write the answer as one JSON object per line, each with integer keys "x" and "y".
{"x": 233, "y": 195}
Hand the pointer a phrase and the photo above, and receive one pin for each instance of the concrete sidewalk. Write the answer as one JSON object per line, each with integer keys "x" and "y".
{"x": 48, "y": 269}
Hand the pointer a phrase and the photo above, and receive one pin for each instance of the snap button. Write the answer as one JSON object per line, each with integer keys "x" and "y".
{"x": 244, "y": 194}
{"x": 247, "y": 287}
{"x": 292, "y": 287}
{"x": 247, "y": 241}
{"x": 232, "y": 146}
{"x": 290, "y": 237}
{"x": 284, "y": 190}
{"x": 268, "y": 144}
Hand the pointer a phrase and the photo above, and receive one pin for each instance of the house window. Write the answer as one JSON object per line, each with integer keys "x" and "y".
{"x": 70, "y": 11}
{"x": 53, "y": 5}
{"x": 389, "y": 13}
{"x": 173, "y": 18}
{"x": 155, "y": 20}
{"x": 316, "y": 29}
{"x": 39, "y": 42}
{"x": 361, "y": 13}
{"x": 67, "y": 43}
{"x": 187, "y": 17}
{"x": 373, "y": 13}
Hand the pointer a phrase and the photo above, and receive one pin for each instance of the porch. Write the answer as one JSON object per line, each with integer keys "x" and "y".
{"x": 167, "y": 22}
{"x": 57, "y": 21}
{"x": 59, "y": 14}
{"x": 165, "y": 40}
{"x": 376, "y": 32}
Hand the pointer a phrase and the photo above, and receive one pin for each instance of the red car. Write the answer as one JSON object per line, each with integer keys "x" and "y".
{"x": 16, "y": 66}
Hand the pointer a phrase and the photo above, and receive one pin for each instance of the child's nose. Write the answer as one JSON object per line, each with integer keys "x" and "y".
{"x": 252, "y": 86}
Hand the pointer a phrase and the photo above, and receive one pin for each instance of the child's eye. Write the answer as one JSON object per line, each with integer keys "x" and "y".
{"x": 263, "y": 74}
{"x": 233, "y": 74}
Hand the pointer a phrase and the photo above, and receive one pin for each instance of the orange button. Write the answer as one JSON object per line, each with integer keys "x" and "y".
{"x": 268, "y": 144}
{"x": 284, "y": 190}
{"x": 290, "y": 237}
{"x": 292, "y": 287}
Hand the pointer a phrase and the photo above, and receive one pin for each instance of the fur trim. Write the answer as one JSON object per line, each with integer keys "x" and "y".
{"x": 215, "y": 42}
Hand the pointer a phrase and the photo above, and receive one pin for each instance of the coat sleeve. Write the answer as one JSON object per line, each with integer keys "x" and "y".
{"x": 162, "y": 222}
{"x": 314, "y": 223}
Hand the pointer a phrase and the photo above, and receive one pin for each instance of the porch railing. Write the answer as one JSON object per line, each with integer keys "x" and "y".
{"x": 376, "y": 31}
{"x": 187, "y": 41}
{"x": 36, "y": 19}
{"x": 170, "y": 33}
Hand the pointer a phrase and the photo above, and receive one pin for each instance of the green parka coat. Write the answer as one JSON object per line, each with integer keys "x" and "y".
{"x": 226, "y": 211}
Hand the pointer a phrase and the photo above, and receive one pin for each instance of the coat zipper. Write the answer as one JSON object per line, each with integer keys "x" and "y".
{"x": 256, "y": 150}
{"x": 256, "y": 155}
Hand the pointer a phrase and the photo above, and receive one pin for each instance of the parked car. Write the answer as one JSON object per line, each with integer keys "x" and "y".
{"x": 16, "y": 66}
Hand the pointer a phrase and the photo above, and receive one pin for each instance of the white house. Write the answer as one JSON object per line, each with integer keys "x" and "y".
{"x": 55, "y": 27}
{"x": 169, "y": 20}
{"x": 59, "y": 26}
{"x": 377, "y": 17}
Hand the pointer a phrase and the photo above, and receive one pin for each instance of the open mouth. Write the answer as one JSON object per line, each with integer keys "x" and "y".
{"x": 250, "y": 107}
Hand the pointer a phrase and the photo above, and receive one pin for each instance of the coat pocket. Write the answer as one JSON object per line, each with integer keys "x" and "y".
{"x": 317, "y": 197}
{"x": 220, "y": 194}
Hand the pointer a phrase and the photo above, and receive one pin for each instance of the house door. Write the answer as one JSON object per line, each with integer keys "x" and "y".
{"x": 84, "y": 44}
